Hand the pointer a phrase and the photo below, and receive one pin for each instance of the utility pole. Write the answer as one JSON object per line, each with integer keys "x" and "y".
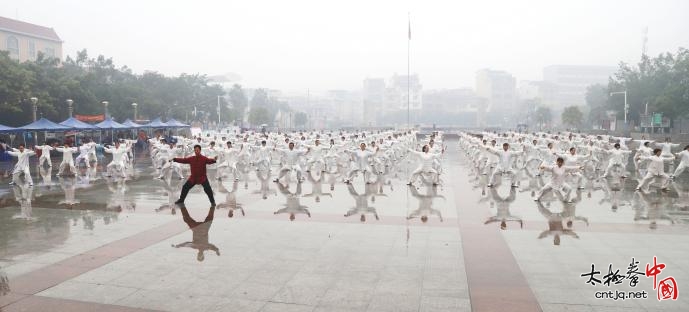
{"x": 626, "y": 106}
{"x": 408, "y": 66}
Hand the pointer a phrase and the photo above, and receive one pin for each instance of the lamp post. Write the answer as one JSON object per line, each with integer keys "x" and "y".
{"x": 218, "y": 112}
{"x": 105, "y": 105}
{"x": 34, "y": 106}
{"x": 69, "y": 107}
{"x": 626, "y": 106}
{"x": 135, "y": 107}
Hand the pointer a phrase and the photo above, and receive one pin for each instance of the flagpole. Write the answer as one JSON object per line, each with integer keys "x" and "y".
{"x": 408, "y": 71}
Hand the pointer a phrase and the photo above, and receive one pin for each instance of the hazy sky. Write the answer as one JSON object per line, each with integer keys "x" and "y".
{"x": 320, "y": 45}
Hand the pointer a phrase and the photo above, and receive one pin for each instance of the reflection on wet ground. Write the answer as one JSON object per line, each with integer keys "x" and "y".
{"x": 325, "y": 245}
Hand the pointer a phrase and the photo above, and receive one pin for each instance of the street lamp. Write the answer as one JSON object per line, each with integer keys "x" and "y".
{"x": 626, "y": 106}
{"x": 69, "y": 106}
{"x": 34, "y": 106}
{"x": 135, "y": 105}
{"x": 105, "y": 104}
{"x": 218, "y": 112}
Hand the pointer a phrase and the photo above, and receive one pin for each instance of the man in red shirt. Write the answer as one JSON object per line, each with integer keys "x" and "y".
{"x": 198, "y": 163}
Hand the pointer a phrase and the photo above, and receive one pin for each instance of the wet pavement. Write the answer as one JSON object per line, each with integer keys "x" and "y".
{"x": 92, "y": 243}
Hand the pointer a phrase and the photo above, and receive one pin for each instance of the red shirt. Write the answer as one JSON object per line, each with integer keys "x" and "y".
{"x": 198, "y": 167}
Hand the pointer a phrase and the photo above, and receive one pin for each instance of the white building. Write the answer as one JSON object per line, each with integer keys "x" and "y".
{"x": 498, "y": 88}
{"x": 396, "y": 93}
{"x": 450, "y": 100}
{"x": 569, "y": 83}
{"x": 373, "y": 98}
{"x": 24, "y": 40}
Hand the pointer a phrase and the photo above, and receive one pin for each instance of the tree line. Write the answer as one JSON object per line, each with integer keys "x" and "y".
{"x": 661, "y": 83}
{"x": 89, "y": 81}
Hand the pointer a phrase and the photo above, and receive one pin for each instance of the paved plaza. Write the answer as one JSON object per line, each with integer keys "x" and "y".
{"x": 91, "y": 243}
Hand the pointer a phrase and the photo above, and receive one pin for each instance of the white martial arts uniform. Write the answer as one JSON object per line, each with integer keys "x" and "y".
{"x": 656, "y": 169}
{"x": 22, "y": 165}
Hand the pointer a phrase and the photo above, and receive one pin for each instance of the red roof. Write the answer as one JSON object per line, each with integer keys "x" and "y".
{"x": 28, "y": 29}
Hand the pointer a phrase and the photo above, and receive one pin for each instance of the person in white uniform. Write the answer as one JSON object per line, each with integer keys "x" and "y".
{"x": 505, "y": 162}
{"x": 361, "y": 163}
{"x": 229, "y": 157}
{"x": 117, "y": 163}
{"x": 618, "y": 157}
{"x": 656, "y": 169}
{"x": 83, "y": 155}
{"x": 45, "y": 155}
{"x": 572, "y": 159}
{"x": 67, "y": 159}
{"x": 683, "y": 162}
{"x": 557, "y": 181}
{"x": 22, "y": 166}
{"x": 426, "y": 166}
{"x": 291, "y": 157}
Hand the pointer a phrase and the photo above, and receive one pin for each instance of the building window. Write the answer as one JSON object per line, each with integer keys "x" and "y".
{"x": 50, "y": 52}
{"x": 32, "y": 50}
{"x": 13, "y": 46}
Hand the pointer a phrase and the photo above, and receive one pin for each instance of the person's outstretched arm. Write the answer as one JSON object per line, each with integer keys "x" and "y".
{"x": 182, "y": 160}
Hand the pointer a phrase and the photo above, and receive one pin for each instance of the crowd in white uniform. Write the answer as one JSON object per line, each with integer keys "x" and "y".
{"x": 121, "y": 159}
{"x": 304, "y": 155}
{"x": 571, "y": 158}
{"x": 347, "y": 155}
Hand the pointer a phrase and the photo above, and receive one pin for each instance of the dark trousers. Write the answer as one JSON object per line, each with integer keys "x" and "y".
{"x": 206, "y": 188}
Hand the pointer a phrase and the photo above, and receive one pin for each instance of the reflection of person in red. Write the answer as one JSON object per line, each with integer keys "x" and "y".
{"x": 199, "y": 232}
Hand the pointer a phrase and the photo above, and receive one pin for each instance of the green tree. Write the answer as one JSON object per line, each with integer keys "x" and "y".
{"x": 572, "y": 116}
{"x": 238, "y": 100}
{"x": 90, "y": 80}
{"x": 543, "y": 115}
{"x": 260, "y": 98}
{"x": 259, "y": 116}
{"x": 16, "y": 84}
{"x": 597, "y": 100}
{"x": 300, "y": 119}
{"x": 660, "y": 81}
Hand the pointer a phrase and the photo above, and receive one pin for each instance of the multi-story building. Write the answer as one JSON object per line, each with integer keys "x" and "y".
{"x": 450, "y": 101}
{"x": 544, "y": 91}
{"x": 373, "y": 99}
{"x": 387, "y": 102}
{"x": 498, "y": 88}
{"x": 348, "y": 106}
{"x": 569, "y": 83}
{"x": 24, "y": 40}
{"x": 396, "y": 93}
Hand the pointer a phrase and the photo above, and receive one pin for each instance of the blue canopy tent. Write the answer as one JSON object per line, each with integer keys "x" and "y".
{"x": 8, "y": 130}
{"x": 42, "y": 125}
{"x": 131, "y": 124}
{"x": 77, "y": 124}
{"x": 110, "y": 124}
{"x": 5, "y": 129}
{"x": 173, "y": 123}
{"x": 156, "y": 123}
